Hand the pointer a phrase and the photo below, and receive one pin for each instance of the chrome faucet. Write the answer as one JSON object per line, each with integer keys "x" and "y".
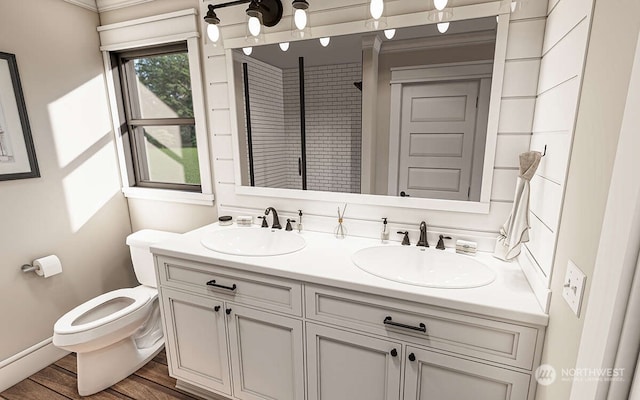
{"x": 276, "y": 221}
{"x": 423, "y": 235}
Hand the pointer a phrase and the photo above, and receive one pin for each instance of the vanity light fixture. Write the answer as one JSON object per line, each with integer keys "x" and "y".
{"x": 389, "y": 33}
{"x": 325, "y": 41}
{"x": 247, "y": 51}
{"x": 377, "y": 20}
{"x": 443, "y": 27}
{"x": 284, "y": 46}
{"x": 300, "y": 21}
{"x": 259, "y": 13}
{"x": 212, "y": 20}
{"x": 254, "y": 23}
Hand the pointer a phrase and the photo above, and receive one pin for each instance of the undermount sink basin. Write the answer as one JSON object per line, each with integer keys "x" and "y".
{"x": 423, "y": 267}
{"x": 253, "y": 241}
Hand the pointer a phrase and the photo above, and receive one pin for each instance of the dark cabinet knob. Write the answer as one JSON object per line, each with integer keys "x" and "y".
{"x": 412, "y": 357}
{"x": 228, "y": 311}
{"x": 394, "y": 353}
{"x": 216, "y": 308}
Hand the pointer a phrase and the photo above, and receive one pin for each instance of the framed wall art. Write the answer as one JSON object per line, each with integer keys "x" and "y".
{"x": 17, "y": 153}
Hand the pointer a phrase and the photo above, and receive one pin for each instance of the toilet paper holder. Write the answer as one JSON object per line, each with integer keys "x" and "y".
{"x": 28, "y": 268}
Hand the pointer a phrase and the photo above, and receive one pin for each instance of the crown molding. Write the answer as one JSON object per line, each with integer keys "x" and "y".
{"x": 109, "y": 5}
{"x": 86, "y": 4}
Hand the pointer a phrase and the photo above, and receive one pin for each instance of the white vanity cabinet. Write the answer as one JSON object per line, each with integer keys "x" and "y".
{"x": 216, "y": 335}
{"x": 431, "y": 375}
{"x": 196, "y": 339}
{"x": 349, "y": 366}
{"x": 249, "y": 336}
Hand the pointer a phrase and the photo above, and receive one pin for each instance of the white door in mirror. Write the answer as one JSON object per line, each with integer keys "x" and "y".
{"x": 437, "y": 139}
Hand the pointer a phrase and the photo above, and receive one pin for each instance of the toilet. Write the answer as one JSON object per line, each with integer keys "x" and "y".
{"x": 118, "y": 332}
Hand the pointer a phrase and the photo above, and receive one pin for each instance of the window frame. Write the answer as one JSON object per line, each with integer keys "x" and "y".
{"x": 128, "y": 97}
{"x": 178, "y": 26}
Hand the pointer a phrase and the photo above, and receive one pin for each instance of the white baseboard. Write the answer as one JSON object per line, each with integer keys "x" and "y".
{"x": 26, "y": 363}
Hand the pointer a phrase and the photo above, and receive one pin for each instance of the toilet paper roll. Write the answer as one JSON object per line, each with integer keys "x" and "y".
{"x": 48, "y": 266}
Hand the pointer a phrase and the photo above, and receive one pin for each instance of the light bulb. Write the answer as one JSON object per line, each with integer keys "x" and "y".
{"x": 440, "y": 4}
{"x": 284, "y": 46}
{"x": 443, "y": 27}
{"x": 325, "y": 41}
{"x": 376, "y": 8}
{"x": 254, "y": 26}
{"x": 247, "y": 50}
{"x": 389, "y": 33}
{"x": 300, "y": 18}
{"x": 213, "y": 32}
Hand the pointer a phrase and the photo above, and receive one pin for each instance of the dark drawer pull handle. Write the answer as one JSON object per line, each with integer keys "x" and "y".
{"x": 216, "y": 308}
{"x": 421, "y": 328}
{"x": 394, "y": 353}
{"x": 412, "y": 357}
{"x": 213, "y": 283}
{"x": 228, "y": 311}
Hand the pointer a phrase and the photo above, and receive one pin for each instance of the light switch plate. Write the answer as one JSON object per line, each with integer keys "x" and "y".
{"x": 573, "y": 287}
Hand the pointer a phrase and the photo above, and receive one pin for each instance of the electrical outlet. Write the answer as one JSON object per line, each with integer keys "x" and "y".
{"x": 573, "y": 287}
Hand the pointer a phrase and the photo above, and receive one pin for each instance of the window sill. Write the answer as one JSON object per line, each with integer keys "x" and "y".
{"x": 172, "y": 196}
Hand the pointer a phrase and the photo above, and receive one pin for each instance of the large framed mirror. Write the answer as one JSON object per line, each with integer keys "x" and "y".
{"x": 373, "y": 117}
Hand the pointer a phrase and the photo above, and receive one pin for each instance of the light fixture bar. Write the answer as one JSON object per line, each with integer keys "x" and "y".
{"x": 271, "y": 10}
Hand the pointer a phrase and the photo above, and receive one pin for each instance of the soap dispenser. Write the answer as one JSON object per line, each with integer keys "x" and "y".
{"x": 384, "y": 236}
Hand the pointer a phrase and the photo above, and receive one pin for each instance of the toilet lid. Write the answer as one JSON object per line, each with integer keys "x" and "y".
{"x": 102, "y": 310}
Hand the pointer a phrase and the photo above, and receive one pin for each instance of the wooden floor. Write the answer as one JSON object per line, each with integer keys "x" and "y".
{"x": 58, "y": 382}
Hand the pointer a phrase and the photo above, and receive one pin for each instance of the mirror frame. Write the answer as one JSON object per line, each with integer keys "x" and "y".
{"x": 493, "y": 8}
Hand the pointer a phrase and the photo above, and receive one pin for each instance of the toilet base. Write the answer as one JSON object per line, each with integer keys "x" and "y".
{"x": 100, "y": 369}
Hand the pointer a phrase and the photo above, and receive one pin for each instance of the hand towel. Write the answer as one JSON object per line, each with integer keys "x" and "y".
{"x": 515, "y": 230}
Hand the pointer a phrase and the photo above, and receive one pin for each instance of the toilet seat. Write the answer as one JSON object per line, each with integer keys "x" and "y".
{"x": 65, "y": 325}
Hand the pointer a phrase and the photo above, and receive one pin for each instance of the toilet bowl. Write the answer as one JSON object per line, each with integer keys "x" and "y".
{"x": 118, "y": 332}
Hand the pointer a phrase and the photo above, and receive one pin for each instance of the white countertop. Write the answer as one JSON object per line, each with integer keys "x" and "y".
{"x": 327, "y": 261}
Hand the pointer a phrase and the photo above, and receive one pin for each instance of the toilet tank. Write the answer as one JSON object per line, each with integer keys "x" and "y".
{"x": 142, "y": 259}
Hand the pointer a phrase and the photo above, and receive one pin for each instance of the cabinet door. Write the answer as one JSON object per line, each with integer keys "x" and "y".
{"x": 430, "y": 375}
{"x": 347, "y": 366}
{"x": 266, "y": 354}
{"x": 196, "y": 340}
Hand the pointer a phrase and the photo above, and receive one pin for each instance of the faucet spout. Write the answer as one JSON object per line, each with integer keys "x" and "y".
{"x": 422, "y": 242}
{"x": 276, "y": 220}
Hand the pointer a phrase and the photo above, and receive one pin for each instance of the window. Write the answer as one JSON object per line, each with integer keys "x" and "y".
{"x": 157, "y": 105}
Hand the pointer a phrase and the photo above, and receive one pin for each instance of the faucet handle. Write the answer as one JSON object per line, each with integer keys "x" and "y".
{"x": 405, "y": 239}
{"x": 264, "y": 221}
{"x": 440, "y": 245}
{"x": 289, "y": 227}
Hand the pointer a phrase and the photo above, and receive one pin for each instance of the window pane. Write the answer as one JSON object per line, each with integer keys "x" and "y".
{"x": 162, "y": 87}
{"x": 171, "y": 154}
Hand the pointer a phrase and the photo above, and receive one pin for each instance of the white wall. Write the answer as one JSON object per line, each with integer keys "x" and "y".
{"x": 607, "y": 72}
{"x": 559, "y": 86}
{"x": 519, "y": 92}
{"x": 76, "y": 209}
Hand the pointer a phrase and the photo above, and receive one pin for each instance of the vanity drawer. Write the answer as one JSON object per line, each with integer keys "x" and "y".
{"x": 231, "y": 284}
{"x": 501, "y": 342}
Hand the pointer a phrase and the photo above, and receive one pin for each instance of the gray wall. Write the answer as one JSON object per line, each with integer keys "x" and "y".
{"x": 76, "y": 209}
